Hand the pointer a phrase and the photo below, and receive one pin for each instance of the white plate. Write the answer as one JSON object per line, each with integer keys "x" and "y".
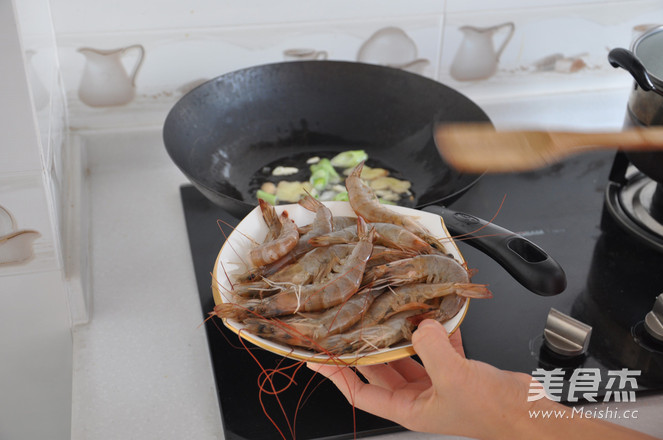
{"x": 235, "y": 251}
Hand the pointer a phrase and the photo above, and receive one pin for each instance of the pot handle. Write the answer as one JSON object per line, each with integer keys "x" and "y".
{"x": 628, "y": 61}
{"x": 530, "y": 265}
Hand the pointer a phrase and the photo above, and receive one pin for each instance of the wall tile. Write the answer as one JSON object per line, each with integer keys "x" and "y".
{"x": 47, "y": 94}
{"x": 582, "y": 33}
{"x": 176, "y": 61}
{"x": 23, "y": 195}
{"x": 19, "y": 150}
{"x": 487, "y": 6}
{"x": 80, "y": 16}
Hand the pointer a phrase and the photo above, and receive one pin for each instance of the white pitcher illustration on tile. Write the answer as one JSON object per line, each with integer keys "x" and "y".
{"x": 15, "y": 244}
{"x": 105, "y": 81}
{"x": 477, "y": 57}
{"x": 301, "y": 54}
{"x": 392, "y": 47}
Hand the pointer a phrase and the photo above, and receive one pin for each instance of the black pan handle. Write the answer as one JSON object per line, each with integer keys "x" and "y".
{"x": 628, "y": 61}
{"x": 530, "y": 265}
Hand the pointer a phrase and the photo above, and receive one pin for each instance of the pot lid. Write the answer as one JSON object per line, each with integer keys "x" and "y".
{"x": 648, "y": 48}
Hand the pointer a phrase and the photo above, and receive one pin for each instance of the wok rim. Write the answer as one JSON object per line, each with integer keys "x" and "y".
{"x": 445, "y": 200}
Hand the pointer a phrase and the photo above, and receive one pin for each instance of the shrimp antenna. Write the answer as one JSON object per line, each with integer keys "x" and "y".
{"x": 499, "y": 208}
{"x": 225, "y": 237}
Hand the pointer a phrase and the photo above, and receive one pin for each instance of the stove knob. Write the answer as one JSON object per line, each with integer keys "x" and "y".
{"x": 654, "y": 319}
{"x": 566, "y": 336}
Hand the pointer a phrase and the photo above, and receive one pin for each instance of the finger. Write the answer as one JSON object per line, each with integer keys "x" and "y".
{"x": 345, "y": 379}
{"x": 432, "y": 344}
{"x": 457, "y": 342}
{"x": 411, "y": 370}
{"x": 367, "y": 397}
{"x": 383, "y": 375}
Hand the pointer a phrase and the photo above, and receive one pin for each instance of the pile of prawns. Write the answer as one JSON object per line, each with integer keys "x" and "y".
{"x": 345, "y": 285}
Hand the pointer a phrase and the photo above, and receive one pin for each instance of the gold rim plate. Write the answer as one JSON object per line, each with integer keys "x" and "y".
{"x": 234, "y": 254}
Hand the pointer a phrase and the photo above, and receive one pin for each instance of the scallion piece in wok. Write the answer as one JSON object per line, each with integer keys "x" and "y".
{"x": 349, "y": 159}
{"x": 322, "y": 174}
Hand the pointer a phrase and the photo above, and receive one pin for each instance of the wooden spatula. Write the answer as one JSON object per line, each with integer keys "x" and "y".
{"x": 480, "y": 148}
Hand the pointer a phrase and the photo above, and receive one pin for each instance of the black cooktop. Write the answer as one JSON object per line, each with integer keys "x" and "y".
{"x": 613, "y": 281}
{"x": 323, "y": 412}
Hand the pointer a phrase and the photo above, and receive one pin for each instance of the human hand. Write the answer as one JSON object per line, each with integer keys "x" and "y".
{"x": 453, "y": 395}
{"x": 448, "y": 394}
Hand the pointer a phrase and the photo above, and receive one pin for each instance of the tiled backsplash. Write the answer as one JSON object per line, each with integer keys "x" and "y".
{"x": 556, "y": 46}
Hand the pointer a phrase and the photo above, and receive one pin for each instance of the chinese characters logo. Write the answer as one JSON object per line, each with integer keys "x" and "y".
{"x": 584, "y": 383}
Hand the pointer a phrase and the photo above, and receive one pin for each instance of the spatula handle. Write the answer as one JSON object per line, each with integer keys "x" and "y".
{"x": 646, "y": 139}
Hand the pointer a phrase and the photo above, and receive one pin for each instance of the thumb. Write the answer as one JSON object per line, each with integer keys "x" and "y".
{"x": 433, "y": 347}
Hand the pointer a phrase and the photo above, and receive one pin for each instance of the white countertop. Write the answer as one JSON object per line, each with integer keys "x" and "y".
{"x": 141, "y": 365}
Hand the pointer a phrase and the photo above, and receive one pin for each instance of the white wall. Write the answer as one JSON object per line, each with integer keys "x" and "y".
{"x": 186, "y": 42}
{"x": 35, "y": 335}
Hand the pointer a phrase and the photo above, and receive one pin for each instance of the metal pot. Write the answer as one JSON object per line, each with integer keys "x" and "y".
{"x": 645, "y": 106}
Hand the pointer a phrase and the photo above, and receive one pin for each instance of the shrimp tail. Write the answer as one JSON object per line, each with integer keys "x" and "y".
{"x": 356, "y": 172}
{"x": 470, "y": 290}
{"x": 362, "y": 229}
{"x": 310, "y": 203}
{"x": 268, "y": 213}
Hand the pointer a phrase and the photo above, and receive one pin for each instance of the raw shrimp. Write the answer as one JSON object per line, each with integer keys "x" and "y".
{"x": 366, "y": 204}
{"x": 311, "y": 267}
{"x": 303, "y": 329}
{"x": 383, "y": 255}
{"x": 377, "y": 336}
{"x": 323, "y": 221}
{"x": 338, "y": 222}
{"x": 449, "y": 307}
{"x": 415, "y": 295}
{"x": 322, "y": 224}
{"x": 422, "y": 268}
{"x": 311, "y": 297}
{"x": 285, "y": 241}
{"x": 397, "y": 327}
{"x": 388, "y": 234}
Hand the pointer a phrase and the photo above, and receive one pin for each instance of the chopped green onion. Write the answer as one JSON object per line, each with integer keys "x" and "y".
{"x": 385, "y": 202}
{"x": 319, "y": 179}
{"x": 267, "y": 197}
{"x": 325, "y": 164}
{"x": 341, "y": 197}
{"x": 349, "y": 159}
{"x": 323, "y": 173}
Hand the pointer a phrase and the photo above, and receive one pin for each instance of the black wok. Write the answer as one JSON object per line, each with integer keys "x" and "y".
{"x": 222, "y": 133}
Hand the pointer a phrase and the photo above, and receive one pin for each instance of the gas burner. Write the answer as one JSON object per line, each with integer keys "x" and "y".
{"x": 635, "y": 201}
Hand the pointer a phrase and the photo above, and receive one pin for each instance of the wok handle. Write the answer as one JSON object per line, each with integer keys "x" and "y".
{"x": 530, "y": 265}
